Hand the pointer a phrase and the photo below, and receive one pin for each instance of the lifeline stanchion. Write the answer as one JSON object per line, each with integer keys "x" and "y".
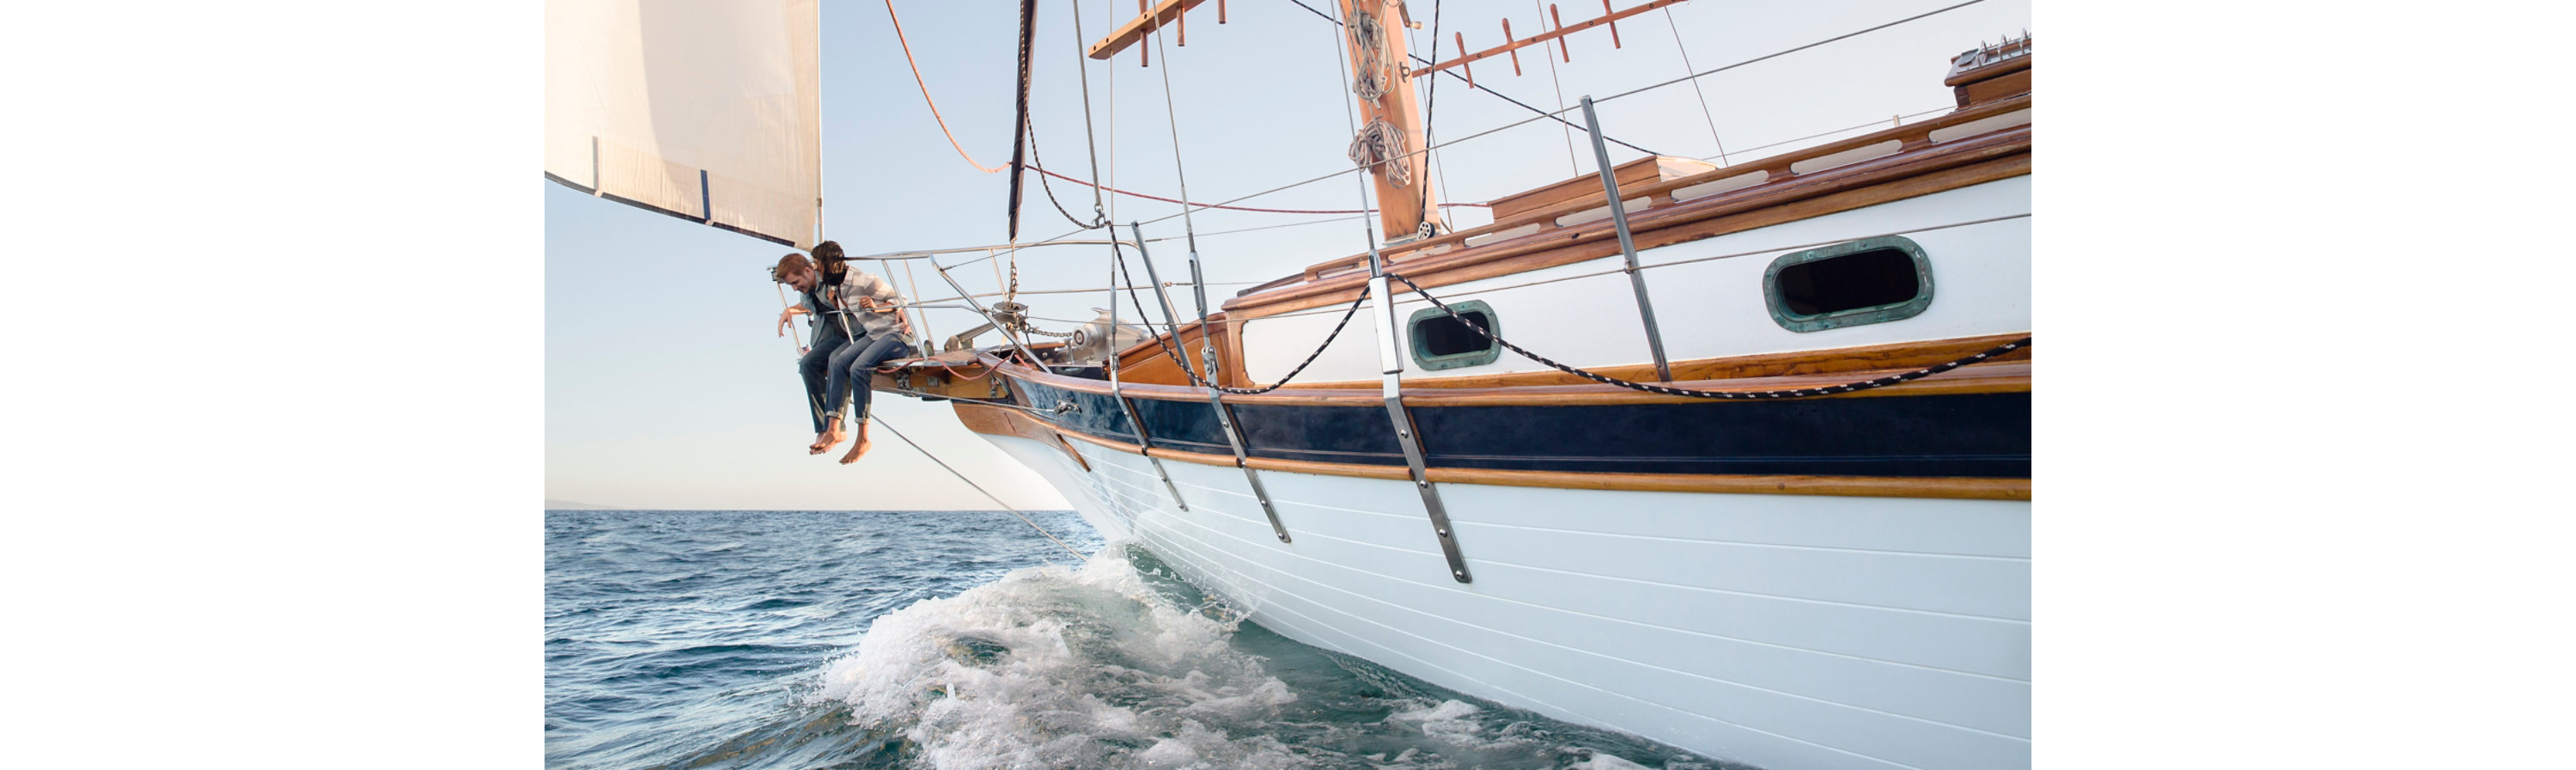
{"x": 1627, "y": 245}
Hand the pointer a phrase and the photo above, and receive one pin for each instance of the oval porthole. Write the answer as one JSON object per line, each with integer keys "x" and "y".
{"x": 1873, "y": 280}
{"x": 1441, "y": 341}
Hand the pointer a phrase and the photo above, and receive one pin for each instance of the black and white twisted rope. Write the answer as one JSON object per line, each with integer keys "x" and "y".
{"x": 1170, "y": 352}
{"x": 1758, "y": 394}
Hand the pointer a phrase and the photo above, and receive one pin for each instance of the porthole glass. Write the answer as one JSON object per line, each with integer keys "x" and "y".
{"x": 1873, "y": 280}
{"x": 1441, "y": 341}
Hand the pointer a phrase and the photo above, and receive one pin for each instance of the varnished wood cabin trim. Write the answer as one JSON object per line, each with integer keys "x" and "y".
{"x": 1957, "y": 488}
{"x": 2009, "y": 85}
{"x": 2007, "y": 377}
{"x": 999, "y": 421}
{"x": 1998, "y": 69}
{"x": 1978, "y": 161}
{"x": 1146, "y": 363}
{"x": 1635, "y": 173}
{"x": 1916, "y": 136}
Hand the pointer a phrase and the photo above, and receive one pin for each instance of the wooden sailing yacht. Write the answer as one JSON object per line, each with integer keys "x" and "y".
{"x": 1766, "y": 497}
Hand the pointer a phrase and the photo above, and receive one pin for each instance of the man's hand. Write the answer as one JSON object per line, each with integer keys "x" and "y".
{"x": 786, "y": 315}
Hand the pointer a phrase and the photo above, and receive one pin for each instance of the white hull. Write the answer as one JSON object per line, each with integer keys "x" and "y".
{"x": 1790, "y": 632}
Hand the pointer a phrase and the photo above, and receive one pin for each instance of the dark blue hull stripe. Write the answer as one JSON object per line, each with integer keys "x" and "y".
{"x": 1974, "y": 435}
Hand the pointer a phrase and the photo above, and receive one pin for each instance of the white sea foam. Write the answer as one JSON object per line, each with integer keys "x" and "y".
{"x": 1058, "y": 667}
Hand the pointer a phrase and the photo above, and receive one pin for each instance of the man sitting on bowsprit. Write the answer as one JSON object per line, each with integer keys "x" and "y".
{"x": 861, "y": 325}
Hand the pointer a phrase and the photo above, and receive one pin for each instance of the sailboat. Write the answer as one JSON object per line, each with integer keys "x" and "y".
{"x": 1765, "y": 498}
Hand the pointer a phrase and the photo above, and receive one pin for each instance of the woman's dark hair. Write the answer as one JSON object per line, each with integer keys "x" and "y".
{"x": 828, "y": 254}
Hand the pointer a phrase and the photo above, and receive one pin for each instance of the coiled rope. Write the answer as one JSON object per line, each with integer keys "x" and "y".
{"x": 1671, "y": 391}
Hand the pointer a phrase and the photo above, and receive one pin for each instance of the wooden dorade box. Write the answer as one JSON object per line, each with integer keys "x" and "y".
{"x": 1635, "y": 173}
{"x": 1990, "y": 73}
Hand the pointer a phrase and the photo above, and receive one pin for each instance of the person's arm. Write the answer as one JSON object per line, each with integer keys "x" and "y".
{"x": 883, "y": 298}
{"x": 788, "y": 314}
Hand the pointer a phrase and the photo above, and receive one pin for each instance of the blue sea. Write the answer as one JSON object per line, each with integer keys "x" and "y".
{"x": 965, "y": 639}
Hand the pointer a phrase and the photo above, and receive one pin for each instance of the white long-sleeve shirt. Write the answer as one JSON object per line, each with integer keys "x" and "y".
{"x": 855, "y": 284}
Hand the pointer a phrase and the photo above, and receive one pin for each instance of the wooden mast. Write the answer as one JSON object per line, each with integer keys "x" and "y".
{"x": 1390, "y": 138}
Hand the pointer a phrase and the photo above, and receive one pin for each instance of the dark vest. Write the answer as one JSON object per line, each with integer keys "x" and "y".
{"x": 824, "y": 319}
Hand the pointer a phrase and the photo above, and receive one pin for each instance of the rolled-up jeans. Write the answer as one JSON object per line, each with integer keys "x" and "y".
{"x": 813, "y": 367}
{"x": 854, "y": 367}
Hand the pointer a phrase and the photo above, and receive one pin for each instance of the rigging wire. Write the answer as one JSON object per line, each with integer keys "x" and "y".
{"x": 1350, "y": 117}
{"x": 1785, "y": 52}
{"x": 1429, "y": 110}
{"x": 1250, "y": 229}
{"x": 1170, "y": 348}
{"x": 1099, "y": 186}
{"x": 925, "y": 92}
{"x": 1554, "y": 116}
{"x": 1487, "y": 88}
{"x": 1567, "y": 125}
{"x": 1090, "y": 143}
{"x": 1871, "y": 124}
{"x": 943, "y": 464}
{"x": 1676, "y": 27}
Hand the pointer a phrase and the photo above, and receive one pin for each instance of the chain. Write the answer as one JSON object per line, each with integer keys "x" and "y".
{"x": 1659, "y": 389}
{"x": 1039, "y": 160}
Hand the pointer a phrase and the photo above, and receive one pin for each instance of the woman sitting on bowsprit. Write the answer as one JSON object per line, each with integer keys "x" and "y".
{"x": 863, "y": 325}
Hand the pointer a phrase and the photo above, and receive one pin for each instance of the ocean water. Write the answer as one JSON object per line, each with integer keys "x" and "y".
{"x": 964, "y": 639}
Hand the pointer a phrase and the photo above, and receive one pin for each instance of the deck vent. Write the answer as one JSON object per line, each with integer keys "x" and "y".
{"x": 1873, "y": 280}
{"x": 1440, "y": 341}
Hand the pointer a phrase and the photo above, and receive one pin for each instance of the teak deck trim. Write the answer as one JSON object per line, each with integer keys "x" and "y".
{"x": 1913, "y": 138}
{"x": 2002, "y": 155}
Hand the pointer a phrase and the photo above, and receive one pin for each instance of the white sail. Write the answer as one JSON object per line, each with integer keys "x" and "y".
{"x": 708, "y": 110}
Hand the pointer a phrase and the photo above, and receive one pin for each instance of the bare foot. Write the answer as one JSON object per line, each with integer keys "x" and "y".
{"x": 832, "y": 436}
{"x": 859, "y": 448}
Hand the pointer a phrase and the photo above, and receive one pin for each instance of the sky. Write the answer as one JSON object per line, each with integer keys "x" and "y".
{"x": 665, "y": 387}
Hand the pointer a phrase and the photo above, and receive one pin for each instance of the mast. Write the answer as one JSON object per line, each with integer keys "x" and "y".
{"x": 1390, "y": 137}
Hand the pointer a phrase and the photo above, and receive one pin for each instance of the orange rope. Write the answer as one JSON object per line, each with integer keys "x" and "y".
{"x": 925, "y": 92}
